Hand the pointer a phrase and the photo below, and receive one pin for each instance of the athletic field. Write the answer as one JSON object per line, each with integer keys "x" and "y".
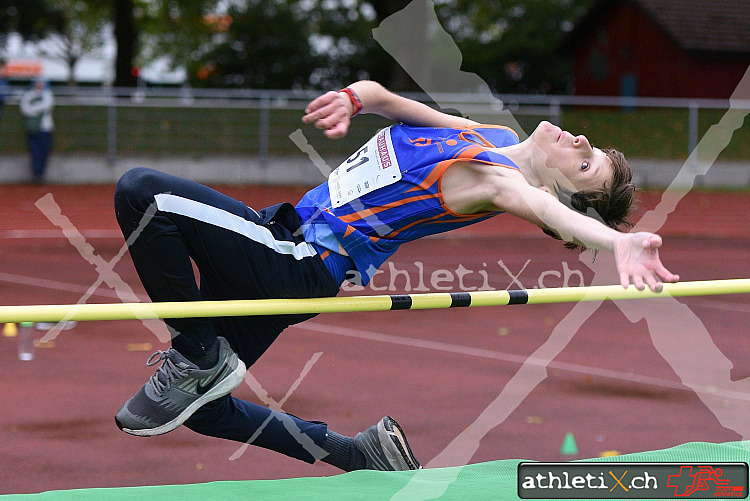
{"x": 621, "y": 383}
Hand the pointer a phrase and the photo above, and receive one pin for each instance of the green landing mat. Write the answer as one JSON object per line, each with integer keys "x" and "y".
{"x": 495, "y": 480}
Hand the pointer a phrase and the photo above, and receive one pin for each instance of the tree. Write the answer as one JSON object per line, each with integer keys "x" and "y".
{"x": 328, "y": 43}
{"x": 76, "y": 28}
{"x": 254, "y": 43}
{"x": 260, "y": 45}
{"x": 64, "y": 29}
{"x": 126, "y": 38}
{"x": 181, "y": 30}
{"x": 343, "y": 35}
{"x": 388, "y": 70}
{"x": 512, "y": 45}
{"x": 25, "y": 17}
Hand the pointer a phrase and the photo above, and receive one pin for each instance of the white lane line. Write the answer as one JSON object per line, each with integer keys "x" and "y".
{"x": 60, "y": 286}
{"x": 57, "y": 233}
{"x": 511, "y": 358}
{"x": 717, "y": 304}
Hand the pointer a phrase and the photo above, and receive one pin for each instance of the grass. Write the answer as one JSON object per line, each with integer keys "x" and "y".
{"x": 652, "y": 133}
{"x": 197, "y": 132}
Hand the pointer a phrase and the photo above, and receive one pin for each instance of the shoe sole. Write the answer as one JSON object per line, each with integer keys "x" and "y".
{"x": 224, "y": 387}
{"x": 397, "y": 438}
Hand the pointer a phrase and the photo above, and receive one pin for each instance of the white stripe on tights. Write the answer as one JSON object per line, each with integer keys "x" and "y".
{"x": 223, "y": 219}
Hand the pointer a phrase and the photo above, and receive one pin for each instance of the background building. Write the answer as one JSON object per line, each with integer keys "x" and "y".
{"x": 661, "y": 48}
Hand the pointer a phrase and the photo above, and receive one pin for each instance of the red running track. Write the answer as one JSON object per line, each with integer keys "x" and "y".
{"x": 435, "y": 371}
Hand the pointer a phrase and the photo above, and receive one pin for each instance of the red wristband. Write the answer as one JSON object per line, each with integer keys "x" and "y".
{"x": 354, "y": 98}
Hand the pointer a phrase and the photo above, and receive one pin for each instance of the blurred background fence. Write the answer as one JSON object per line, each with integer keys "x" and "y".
{"x": 115, "y": 127}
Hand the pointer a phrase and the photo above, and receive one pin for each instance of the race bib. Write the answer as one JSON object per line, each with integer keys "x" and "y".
{"x": 372, "y": 167}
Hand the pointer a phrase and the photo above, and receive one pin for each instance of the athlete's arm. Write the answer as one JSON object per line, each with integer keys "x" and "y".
{"x": 332, "y": 111}
{"x": 636, "y": 254}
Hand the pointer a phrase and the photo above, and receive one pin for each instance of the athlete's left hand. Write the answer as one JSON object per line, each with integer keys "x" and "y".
{"x": 330, "y": 112}
{"x": 637, "y": 258}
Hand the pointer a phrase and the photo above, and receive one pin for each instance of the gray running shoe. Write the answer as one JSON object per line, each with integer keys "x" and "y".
{"x": 385, "y": 447}
{"x": 177, "y": 390}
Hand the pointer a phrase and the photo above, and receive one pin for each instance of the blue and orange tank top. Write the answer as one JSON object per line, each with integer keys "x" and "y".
{"x": 389, "y": 192}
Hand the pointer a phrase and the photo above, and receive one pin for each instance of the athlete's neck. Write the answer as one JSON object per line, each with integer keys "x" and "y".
{"x": 525, "y": 155}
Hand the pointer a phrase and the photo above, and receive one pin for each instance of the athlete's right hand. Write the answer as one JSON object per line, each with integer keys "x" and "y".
{"x": 331, "y": 113}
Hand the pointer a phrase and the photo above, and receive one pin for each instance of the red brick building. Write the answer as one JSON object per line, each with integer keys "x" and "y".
{"x": 661, "y": 48}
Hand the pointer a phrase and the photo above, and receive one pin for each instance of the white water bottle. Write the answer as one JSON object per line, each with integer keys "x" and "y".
{"x": 26, "y": 341}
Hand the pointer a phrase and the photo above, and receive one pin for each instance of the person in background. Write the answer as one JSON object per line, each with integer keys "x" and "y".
{"x": 4, "y": 89}
{"x": 36, "y": 108}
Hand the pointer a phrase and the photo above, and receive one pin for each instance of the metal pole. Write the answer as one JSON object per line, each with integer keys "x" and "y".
{"x": 692, "y": 126}
{"x": 112, "y": 132}
{"x": 555, "y": 112}
{"x": 265, "y": 130}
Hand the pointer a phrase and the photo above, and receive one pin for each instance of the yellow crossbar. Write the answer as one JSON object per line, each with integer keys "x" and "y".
{"x": 130, "y": 311}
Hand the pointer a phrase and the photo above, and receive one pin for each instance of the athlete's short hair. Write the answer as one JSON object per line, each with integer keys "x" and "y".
{"x": 612, "y": 205}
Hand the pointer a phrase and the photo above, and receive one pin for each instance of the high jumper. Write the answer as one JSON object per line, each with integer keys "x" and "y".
{"x": 428, "y": 173}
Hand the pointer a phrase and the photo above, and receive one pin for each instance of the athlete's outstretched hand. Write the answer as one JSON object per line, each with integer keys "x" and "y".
{"x": 637, "y": 258}
{"x": 331, "y": 113}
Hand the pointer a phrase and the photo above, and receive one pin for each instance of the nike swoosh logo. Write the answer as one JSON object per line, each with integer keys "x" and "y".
{"x": 203, "y": 388}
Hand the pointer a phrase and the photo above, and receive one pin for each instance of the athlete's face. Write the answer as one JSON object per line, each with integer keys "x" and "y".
{"x": 570, "y": 158}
